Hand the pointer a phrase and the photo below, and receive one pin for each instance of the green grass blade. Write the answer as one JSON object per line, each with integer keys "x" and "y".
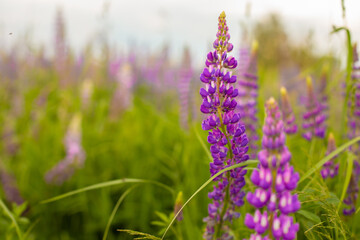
{"x": 349, "y": 168}
{"x": 249, "y": 162}
{"x": 29, "y": 230}
{"x": 328, "y": 157}
{"x": 9, "y": 214}
{"x": 117, "y": 205}
{"x": 107, "y": 184}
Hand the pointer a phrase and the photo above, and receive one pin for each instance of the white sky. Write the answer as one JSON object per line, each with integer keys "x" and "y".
{"x": 151, "y": 23}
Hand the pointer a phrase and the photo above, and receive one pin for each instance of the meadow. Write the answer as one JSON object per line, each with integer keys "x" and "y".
{"x": 111, "y": 146}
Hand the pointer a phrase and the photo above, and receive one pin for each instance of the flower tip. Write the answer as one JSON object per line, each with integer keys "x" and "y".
{"x": 271, "y": 101}
{"x": 222, "y": 14}
{"x": 283, "y": 91}
{"x": 309, "y": 82}
{"x": 254, "y": 47}
{"x": 331, "y": 137}
{"x": 179, "y": 198}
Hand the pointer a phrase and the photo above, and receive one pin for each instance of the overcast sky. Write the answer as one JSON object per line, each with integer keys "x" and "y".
{"x": 151, "y": 23}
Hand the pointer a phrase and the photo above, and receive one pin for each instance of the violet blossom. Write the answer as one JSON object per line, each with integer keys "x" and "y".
{"x": 330, "y": 169}
{"x": 288, "y": 116}
{"x": 75, "y": 155}
{"x": 185, "y": 76}
{"x": 275, "y": 178}
{"x": 248, "y": 93}
{"x": 314, "y": 119}
{"x": 226, "y": 135}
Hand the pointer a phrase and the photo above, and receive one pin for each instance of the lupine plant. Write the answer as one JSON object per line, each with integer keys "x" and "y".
{"x": 314, "y": 119}
{"x": 185, "y": 76}
{"x": 330, "y": 168}
{"x": 290, "y": 126}
{"x": 248, "y": 94}
{"x": 227, "y": 136}
{"x": 274, "y": 178}
{"x": 75, "y": 155}
{"x": 354, "y": 131}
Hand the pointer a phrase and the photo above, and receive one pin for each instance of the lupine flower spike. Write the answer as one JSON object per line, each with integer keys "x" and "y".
{"x": 290, "y": 126}
{"x": 330, "y": 169}
{"x": 185, "y": 75}
{"x": 322, "y": 90}
{"x": 275, "y": 178}
{"x": 354, "y": 131}
{"x": 314, "y": 119}
{"x": 11, "y": 191}
{"x": 248, "y": 92}
{"x": 227, "y": 136}
{"x": 75, "y": 155}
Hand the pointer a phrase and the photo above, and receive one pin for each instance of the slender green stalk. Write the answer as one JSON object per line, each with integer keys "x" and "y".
{"x": 106, "y": 184}
{"x": 117, "y": 205}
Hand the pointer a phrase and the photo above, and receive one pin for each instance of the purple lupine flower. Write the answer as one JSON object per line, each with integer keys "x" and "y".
{"x": 248, "y": 92}
{"x": 287, "y": 113}
{"x": 185, "y": 75}
{"x": 354, "y": 131}
{"x": 314, "y": 119}
{"x": 275, "y": 178}
{"x": 322, "y": 91}
{"x": 60, "y": 42}
{"x": 330, "y": 169}
{"x": 10, "y": 188}
{"x": 75, "y": 155}
{"x": 123, "y": 96}
{"x": 227, "y": 136}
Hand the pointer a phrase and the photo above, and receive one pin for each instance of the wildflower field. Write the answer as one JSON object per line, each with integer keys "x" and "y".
{"x": 260, "y": 140}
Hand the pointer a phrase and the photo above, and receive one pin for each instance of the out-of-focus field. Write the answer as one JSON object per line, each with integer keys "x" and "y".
{"x": 137, "y": 117}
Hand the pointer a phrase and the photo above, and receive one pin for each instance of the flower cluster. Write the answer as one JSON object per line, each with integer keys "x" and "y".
{"x": 185, "y": 75}
{"x": 354, "y": 131}
{"x": 275, "y": 179}
{"x": 330, "y": 169}
{"x": 75, "y": 155}
{"x": 314, "y": 119}
{"x": 123, "y": 96}
{"x": 227, "y": 136}
{"x": 11, "y": 191}
{"x": 323, "y": 96}
{"x": 248, "y": 92}
{"x": 287, "y": 113}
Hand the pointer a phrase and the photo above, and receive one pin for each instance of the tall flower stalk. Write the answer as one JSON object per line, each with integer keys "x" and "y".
{"x": 330, "y": 168}
{"x": 75, "y": 155}
{"x": 322, "y": 90}
{"x": 314, "y": 119}
{"x": 227, "y": 136}
{"x": 248, "y": 93}
{"x": 288, "y": 116}
{"x": 275, "y": 178}
{"x": 354, "y": 131}
{"x": 185, "y": 75}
